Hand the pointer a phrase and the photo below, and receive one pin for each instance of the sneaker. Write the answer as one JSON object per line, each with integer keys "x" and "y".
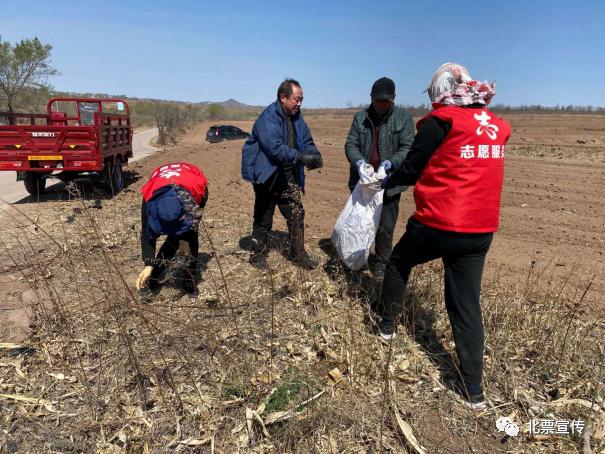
{"x": 259, "y": 261}
{"x": 386, "y": 329}
{"x": 470, "y": 395}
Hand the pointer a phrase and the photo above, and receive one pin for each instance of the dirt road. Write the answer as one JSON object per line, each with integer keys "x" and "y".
{"x": 141, "y": 144}
{"x": 12, "y": 190}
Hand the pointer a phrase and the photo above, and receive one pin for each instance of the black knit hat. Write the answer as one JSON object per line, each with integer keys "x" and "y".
{"x": 383, "y": 89}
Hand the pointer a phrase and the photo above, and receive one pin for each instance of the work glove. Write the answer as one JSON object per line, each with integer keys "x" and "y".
{"x": 386, "y": 165}
{"x": 310, "y": 160}
{"x": 360, "y": 163}
{"x": 144, "y": 277}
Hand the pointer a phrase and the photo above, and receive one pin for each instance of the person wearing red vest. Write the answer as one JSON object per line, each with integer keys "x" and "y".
{"x": 172, "y": 199}
{"x": 456, "y": 163}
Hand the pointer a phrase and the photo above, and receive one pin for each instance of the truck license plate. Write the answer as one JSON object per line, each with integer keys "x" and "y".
{"x": 45, "y": 158}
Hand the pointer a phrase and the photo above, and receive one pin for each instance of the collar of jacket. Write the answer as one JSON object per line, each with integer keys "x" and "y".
{"x": 295, "y": 122}
{"x": 370, "y": 110}
{"x": 280, "y": 111}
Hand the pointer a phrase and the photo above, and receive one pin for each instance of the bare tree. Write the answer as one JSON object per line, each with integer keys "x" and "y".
{"x": 160, "y": 119}
{"x": 170, "y": 120}
{"x": 33, "y": 99}
{"x": 23, "y": 66}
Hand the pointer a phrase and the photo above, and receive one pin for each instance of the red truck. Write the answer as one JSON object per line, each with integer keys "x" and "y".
{"x": 76, "y": 135}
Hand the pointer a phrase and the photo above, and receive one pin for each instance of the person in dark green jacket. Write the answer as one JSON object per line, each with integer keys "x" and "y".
{"x": 381, "y": 135}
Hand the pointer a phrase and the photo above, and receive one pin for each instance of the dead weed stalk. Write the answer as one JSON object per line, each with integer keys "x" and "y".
{"x": 110, "y": 374}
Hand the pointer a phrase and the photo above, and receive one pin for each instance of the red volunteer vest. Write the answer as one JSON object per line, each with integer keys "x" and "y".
{"x": 460, "y": 188}
{"x": 182, "y": 174}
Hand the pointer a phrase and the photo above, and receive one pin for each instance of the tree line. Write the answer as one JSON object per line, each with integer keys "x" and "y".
{"x": 422, "y": 109}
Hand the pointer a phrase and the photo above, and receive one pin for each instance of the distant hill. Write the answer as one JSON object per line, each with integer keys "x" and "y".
{"x": 232, "y": 104}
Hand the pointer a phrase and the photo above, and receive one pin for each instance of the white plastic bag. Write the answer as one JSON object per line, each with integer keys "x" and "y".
{"x": 356, "y": 227}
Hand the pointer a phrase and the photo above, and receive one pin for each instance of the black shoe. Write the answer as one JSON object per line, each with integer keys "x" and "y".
{"x": 471, "y": 395}
{"x": 190, "y": 289}
{"x": 259, "y": 261}
{"x": 255, "y": 245}
{"x": 304, "y": 260}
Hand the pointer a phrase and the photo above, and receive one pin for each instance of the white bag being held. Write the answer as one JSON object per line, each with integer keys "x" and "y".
{"x": 356, "y": 227}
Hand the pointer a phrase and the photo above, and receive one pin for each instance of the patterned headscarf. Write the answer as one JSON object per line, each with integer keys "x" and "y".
{"x": 452, "y": 85}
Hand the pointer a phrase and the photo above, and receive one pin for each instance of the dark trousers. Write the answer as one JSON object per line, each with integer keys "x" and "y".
{"x": 169, "y": 250}
{"x": 383, "y": 244}
{"x": 281, "y": 191}
{"x": 463, "y": 256}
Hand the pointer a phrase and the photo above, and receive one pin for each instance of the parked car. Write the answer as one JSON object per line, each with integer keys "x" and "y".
{"x": 218, "y": 133}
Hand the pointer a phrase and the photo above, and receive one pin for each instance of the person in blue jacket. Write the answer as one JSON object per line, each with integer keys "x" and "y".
{"x": 273, "y": 160}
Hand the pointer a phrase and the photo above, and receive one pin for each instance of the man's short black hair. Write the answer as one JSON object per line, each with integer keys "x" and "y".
{"x": 285, "y": 88}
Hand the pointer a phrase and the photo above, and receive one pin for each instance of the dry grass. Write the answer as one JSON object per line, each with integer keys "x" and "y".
{"x": 277, "y": 362}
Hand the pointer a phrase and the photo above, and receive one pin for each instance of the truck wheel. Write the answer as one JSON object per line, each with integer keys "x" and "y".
{"x": 35, "y": 183}
{"x": 114, "y": 178}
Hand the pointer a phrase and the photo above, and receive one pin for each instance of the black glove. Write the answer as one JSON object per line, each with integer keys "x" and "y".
{"x": 310, "y": 160}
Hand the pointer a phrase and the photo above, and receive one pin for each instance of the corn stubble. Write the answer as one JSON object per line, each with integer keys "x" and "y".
{"x": 283, "y": 361}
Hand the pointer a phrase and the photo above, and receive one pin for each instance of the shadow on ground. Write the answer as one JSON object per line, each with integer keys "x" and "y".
{"x": 171, "y": 280}
{"x": 87, "y": 187}
{"x": 278, "y": 241}
{"x": 419, "y": 320}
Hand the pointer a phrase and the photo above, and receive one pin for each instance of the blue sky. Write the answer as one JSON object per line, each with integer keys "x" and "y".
{"x": 539, "y": 52}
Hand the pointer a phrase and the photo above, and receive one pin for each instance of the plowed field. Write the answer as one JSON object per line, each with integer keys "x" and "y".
{"x": 551, "y": 220}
